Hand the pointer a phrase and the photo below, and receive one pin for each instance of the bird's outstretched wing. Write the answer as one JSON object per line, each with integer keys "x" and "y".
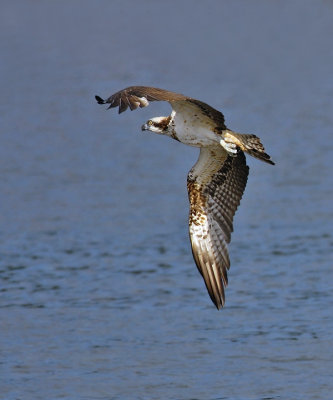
{"x": 140, "y": 96}
{"x": 215, "y": 187}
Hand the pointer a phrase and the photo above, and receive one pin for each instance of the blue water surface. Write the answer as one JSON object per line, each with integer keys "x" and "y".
{"x": 99, "y": 295}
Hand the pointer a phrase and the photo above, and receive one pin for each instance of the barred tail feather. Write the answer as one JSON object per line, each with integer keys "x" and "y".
{"x": 250, "y": 144}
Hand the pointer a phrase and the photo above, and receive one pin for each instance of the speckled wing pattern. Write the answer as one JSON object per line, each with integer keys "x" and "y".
{"x": 213, "y": 203}
{"x": 140, "y": 96}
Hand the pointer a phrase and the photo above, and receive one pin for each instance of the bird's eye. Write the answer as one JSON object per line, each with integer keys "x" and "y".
{"x": 150, "y": 122}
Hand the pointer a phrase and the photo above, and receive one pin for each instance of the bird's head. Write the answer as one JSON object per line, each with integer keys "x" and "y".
{"x": 160, "y": 125}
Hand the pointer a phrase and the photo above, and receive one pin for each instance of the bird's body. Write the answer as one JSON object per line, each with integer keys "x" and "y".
{"x": 215, "y": 183}
{"x": 190, "y": 129}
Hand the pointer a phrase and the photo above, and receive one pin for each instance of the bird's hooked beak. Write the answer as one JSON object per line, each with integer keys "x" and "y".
{"x": 144, "y": 127}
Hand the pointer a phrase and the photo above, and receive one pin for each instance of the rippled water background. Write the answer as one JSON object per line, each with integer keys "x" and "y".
{"x": 99, "y": 294}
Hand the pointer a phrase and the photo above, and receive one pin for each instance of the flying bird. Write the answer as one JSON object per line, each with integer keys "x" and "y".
{"x": 215, "y": 183}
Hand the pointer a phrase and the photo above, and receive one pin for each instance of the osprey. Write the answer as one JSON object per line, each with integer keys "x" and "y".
{"x": 215, "y": 183}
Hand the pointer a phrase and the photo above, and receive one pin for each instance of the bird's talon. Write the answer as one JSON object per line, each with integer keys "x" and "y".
{"x": 231, "y": 148}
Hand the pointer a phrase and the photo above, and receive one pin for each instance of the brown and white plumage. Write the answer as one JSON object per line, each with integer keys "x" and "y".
{"x": 215, "y": 188}
{"x": 215, "y": 183}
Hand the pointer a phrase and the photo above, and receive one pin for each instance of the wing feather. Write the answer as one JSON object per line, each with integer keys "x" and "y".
{"x": 213, "y": 202}
{"x": 140, "y": 96}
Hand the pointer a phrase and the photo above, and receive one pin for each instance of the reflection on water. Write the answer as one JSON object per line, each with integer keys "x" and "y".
{"x": 99, "y": 294}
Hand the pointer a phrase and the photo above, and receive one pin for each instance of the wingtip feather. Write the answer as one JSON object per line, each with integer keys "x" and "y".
{"x": 100, "y": 100}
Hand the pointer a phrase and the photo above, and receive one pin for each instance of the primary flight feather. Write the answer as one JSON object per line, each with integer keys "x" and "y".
{"x": 215, "y": 183}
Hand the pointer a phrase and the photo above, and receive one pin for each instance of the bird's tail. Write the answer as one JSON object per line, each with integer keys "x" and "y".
{"x": 248, "y": 143}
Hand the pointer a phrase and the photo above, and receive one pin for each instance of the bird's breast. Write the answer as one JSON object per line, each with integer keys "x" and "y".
{"x": 194, "y": 132}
